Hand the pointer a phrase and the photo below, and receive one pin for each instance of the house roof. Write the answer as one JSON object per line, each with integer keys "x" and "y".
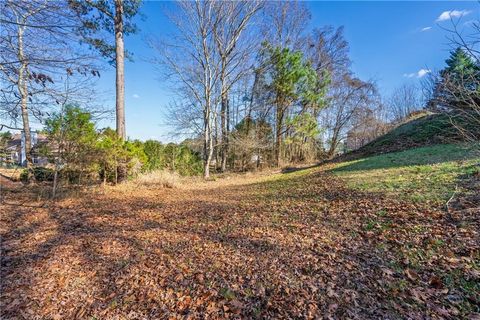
{"x": 16, "y": 141}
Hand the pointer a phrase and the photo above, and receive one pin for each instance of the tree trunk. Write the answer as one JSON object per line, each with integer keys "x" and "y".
{"x": 333, "y": 144}
{"x": 208, "y": 143}
{"x": 23, "y": 90}
{"x": 225, "y": 128}
{"x": 120, "y": 72}
{"x": 218, "y": 149}
{"x": 55, "y": 180}
{"x": 278, "y": 134}
{"x": 208, "y": 156}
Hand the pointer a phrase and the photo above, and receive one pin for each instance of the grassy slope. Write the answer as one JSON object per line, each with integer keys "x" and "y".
{"x": 426, "y": 174}
{"x": 422, "y": 130}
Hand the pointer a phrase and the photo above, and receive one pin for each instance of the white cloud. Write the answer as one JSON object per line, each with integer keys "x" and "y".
{"x": 419, "y": 74}
{"x": 422, "y": 73}
{"x": 426, "y": 29}
{"x": 136, "y": 96}
{"x": 447, "y": 15}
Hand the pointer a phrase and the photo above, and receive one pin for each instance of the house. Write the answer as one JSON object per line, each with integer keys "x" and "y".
{"x": 14, "y": 153}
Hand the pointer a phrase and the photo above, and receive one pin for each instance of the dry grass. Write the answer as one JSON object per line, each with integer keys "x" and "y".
{"x": 166, "y": 179}
{"x": 13, "y": 174}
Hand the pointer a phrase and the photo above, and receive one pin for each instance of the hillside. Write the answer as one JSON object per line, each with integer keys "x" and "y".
{"x": 423, "y": 129}
{"x": 430, "y": 174}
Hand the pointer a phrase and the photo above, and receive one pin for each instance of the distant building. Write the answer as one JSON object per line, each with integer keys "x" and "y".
{"x": 15, "y": 152}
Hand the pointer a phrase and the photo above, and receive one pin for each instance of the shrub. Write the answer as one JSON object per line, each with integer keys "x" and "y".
{"x": 39, "y": 173}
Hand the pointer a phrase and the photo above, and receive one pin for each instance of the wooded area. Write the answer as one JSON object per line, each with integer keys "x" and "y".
{"x": 253, "y": 88}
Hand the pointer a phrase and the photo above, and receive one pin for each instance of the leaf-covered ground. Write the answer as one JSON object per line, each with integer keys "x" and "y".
{"x": 300, "y": 245}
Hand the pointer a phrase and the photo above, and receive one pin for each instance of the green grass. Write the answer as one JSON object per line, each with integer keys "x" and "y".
{"x": 423, "y": 129}
{"x": 426, "y": 174}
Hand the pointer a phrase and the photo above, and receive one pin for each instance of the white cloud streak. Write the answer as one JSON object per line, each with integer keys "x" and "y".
{"x": 426, "y": 29}
{"x": 447, "y": 15}
{"x": 422, "y": 72}
{"x": 419, "y": 74}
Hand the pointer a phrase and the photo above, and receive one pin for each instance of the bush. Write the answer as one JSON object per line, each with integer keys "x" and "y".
{"x": 173, "y": 157}
{"x": 39, "y": 173}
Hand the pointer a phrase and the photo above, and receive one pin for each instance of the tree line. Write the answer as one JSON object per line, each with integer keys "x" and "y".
{"x": 257, "y": 88}
{"x": 254, "y": 85}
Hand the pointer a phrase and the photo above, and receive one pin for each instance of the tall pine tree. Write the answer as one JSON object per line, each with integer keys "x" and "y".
{"x": 99, "y": 19}
{"x": 458, "y": 84}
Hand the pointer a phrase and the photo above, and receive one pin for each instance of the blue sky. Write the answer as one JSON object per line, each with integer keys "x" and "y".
{"x": 391, "y": 42}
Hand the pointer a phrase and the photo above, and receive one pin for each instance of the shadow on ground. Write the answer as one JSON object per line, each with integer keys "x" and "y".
{"x": 297, "y": 246}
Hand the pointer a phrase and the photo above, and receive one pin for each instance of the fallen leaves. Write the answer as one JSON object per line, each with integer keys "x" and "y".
{"x": 412, "y": 275}
{"x": 300, "y": 245}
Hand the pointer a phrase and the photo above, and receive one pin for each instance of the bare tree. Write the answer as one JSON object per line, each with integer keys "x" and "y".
{"x": 234, "y": 52}
{"x": 284, "y": 23}
{"x": 456, "y": 92}
{"x": 346, "y": 98}
{"x": 403, "y": 101}
{"x": 367, "y": 124}
{"x": 193, "y": 62}
{"x": 38, "y": 49}
{"x": 456, "y": 95}
{"x": 328, "y": 50}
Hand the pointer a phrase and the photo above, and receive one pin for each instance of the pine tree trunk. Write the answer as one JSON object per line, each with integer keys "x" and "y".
{"x": 120, "y": 72}
{"x": 278, "y": 134}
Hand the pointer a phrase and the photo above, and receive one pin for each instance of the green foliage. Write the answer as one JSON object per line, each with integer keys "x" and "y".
{"x": 301, "y": 143}
{"x": 97, "y": 16}
{"x": 5, "y": 136}
{"x": 154, "y": 151}
{"x": 115, "y": 153}
{"x": 292, "y": 78}
{"x": 77, "y": 149}
{"x": 40, "y": 174}
{"x": 296, "y": 90}
{"x": 72, "y": 137}
{"x": 461, "y": 68}
{"x": 73, "y": 125}
{"x": 304, "y": 126}
{"x": 174, "y": 157}
{"x": 458, "y": 86}
{"x": 180, "y": 158}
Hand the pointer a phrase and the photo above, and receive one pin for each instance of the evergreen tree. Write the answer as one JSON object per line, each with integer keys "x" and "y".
{"x": 293, "y": 81}
{"x": 462, "y": 70}
{"x": 100, "y": 18}
{"x": 458, "y": 84}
